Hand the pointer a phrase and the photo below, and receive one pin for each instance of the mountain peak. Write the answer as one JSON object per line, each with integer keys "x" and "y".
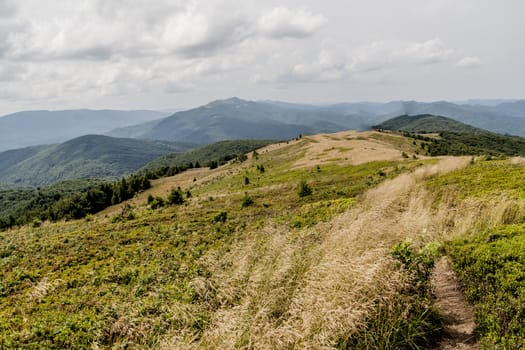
{"x": 235, "y": 101}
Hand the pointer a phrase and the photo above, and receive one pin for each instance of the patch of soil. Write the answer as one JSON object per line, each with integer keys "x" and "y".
{"x": 456, "y": 312}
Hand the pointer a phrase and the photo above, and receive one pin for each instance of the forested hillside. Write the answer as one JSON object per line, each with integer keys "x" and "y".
{"x": 454, "y": 138}
{"x": 86, "y": 157}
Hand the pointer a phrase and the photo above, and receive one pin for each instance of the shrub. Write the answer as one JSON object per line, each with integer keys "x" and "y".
{"x": 150, "y": 199}
{"x": 246, "y": 201}
{"x": 157, "y": 202}
{"x": 175, "y": 197}
{"x": 126, "y": 213}
{"x": 491, "y": 267}
{"x": 221, "y": 217}
{"x": 304, "y": 189}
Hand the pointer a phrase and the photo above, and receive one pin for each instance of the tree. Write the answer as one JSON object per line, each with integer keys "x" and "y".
{"x": 242, "y": 157}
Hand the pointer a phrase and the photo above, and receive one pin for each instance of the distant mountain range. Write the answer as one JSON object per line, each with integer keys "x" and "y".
{"x": 33, "y": 128}
{"x": 85, "y": 157}
{"x": 239, "y": 119}
{"x": 235, "y": 118}
{"x": 29, "y": 163}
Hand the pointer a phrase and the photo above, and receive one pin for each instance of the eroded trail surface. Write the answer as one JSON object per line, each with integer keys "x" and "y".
{"x": 456, "y": 312}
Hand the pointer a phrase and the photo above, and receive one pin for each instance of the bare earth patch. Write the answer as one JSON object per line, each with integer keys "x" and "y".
{"x": 457, "y": 313}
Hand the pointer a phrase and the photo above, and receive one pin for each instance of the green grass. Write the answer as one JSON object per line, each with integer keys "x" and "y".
{"x": 482, "y": 180}
{"x": 491, "y": 266}
{"x": 111, "y": 283}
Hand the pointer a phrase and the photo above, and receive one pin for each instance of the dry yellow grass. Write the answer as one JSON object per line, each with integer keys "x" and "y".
{"x": 352, "y": 147}
{"x": 308, "y": 289}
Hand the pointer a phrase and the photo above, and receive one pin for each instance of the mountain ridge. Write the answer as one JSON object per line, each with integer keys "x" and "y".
{"x": 260, "y": 119}
{"x": 88, "y": 156}
{"x": 32, "y": 128}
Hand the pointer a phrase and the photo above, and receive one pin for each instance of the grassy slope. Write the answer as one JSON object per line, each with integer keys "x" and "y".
{"x": 283, "y": 272}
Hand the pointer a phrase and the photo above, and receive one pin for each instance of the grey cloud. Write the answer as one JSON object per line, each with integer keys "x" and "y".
{"x": 282, "y": 22}
{"x": 7, "y": 9}
{"x": 216, "y": 37}
{"x": 10, "y": 72}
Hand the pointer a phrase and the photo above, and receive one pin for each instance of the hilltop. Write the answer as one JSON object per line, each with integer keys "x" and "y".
{"x": 450, "y": 137}
{"x": 425, "y": 123}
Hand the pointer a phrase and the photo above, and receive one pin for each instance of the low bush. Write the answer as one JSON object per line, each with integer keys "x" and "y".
{"x": 491, "y": 268}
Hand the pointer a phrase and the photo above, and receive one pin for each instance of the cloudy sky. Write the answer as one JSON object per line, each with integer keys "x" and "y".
{"x": 156, "y": 54}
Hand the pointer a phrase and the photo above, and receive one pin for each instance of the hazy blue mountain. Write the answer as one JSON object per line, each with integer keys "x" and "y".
{"x": 515, "y": 108}
{"x": 239, "y": 119}
{"x": 235, "y": 118}
{"x": 133, "y": 131}
{"x": 483, "y": 102}
{"x": 32, "y": 128}
{"x": 90, "y": 156}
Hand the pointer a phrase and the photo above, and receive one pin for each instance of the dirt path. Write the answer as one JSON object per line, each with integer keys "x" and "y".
{"x": 457, "y": 313}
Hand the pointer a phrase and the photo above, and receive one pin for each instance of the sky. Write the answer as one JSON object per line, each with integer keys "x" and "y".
{"x": 163, "y": 54}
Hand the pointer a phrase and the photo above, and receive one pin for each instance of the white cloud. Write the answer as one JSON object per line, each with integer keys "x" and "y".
{"x": 428, "y": 52}
{"x": 387, "y": 55}
{"x": 469, "y": 62}
{"x": 330, "y": 65}
{"x": 282, "y": 22}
